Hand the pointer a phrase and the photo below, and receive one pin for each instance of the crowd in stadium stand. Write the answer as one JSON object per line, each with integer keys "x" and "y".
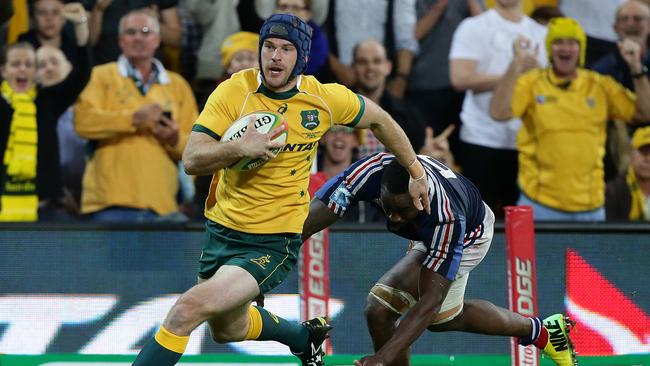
{"x": 99, "y": 97}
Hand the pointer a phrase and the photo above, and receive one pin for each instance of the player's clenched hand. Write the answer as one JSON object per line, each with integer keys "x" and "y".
{"x": 369, "y": 361}
{"x": 259, "y": 145}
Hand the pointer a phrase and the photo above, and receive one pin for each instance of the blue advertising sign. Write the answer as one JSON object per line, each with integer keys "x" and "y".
{"x": 106, "y": 292}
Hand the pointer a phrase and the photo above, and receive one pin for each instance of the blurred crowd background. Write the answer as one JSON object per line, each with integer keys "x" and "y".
{"x": 99, "y": 97}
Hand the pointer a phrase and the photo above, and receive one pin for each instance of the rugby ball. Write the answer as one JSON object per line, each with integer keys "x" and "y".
{"x": 265, "y": 122}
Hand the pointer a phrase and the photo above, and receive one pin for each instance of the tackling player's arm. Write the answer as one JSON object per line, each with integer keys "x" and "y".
{"x": 203, "y": 155}
{"x": 433, "y": 290}
{"x": 318, "y": 219}
{"x": 393, "y": 137}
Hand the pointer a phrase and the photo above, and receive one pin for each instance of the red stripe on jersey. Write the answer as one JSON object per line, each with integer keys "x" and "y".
{"x": 448, "y": 235}
{"x": 442, "y": 254}
{"x": 473, "y": 235}
{"x": 333, "y": 207}
{"x": 356, "y": 173}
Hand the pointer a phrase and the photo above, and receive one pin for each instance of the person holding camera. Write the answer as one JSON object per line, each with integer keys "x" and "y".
{"x": 137, "y": 116}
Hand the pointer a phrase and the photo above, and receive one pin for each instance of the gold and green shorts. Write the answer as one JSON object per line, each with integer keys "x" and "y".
{"x": 267, "y": 257}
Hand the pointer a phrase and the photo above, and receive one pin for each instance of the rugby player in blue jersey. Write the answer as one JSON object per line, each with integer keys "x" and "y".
{"x": 428, "y": 284}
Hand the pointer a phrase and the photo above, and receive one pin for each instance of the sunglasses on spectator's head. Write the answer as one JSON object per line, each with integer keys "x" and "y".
{"x": 133, "y": 31}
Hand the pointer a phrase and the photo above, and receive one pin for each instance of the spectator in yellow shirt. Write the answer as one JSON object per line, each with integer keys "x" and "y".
{"x": 137, "y": 116}
{"x": 565, "y": 109}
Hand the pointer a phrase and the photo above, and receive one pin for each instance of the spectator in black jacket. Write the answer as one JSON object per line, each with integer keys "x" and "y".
{"x": 30, "y": 181}
{"x": 632, "y": 23}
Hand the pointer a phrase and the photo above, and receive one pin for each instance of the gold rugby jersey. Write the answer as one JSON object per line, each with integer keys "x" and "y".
{"x": 561, "y": 143}
{"x": 273, "y": 198}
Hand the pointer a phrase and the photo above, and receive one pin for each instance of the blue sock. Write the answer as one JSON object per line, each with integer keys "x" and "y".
{"x": 536, "y": 331}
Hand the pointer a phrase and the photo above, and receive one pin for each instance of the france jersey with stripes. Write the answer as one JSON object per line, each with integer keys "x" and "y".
{"x": 457, "y": 210}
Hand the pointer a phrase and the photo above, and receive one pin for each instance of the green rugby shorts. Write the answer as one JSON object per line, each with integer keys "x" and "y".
{"x": 267, "y": 257}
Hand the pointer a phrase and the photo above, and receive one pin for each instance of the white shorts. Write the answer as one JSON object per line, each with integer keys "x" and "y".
{"x": 472, "y": 256}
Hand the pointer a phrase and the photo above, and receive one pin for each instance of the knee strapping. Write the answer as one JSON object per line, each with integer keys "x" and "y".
{"x": 447, "y": 316}
{"x": 397, "y": 300}
{"x": 400, "y": 301}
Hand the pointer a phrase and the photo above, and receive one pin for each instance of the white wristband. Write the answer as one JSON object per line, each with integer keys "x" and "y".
{"x": 408, "y": 169}
{"x": 420, "y": 178}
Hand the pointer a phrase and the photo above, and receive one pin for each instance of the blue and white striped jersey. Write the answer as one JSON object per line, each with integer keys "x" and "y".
{"x": 457, "y": 210}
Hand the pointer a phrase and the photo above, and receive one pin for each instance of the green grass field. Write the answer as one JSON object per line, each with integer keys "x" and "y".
{"x": 338, "y": 360}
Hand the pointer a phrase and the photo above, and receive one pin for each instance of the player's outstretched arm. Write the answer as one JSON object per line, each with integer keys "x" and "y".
{"x": 318, "y": 219}
{"x": 433, "y": 289}
{"x": 394, "y": 138}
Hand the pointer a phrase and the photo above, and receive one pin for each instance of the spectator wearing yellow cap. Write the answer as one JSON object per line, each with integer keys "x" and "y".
{"x": 628, "y": 196}
{"x": 239, "y": 52}
{"x": 565, "y": 109}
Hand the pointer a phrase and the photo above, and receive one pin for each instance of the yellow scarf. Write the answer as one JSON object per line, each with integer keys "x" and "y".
{"x": 638, "y": 199}
{"x": 19, "y": 201}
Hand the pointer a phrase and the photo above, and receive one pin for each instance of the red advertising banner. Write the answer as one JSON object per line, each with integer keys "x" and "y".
{"x": 610, "y": 322}
{"x": 522, "y": 277}
{"x": 314, "y": 284}
{"x": 314, "y": 277}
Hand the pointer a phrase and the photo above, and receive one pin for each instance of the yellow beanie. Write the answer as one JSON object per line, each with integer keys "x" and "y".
{"x": 559, "y": 28}
{"x": 641, "y": 137}
{"x": 237, "y": 42}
